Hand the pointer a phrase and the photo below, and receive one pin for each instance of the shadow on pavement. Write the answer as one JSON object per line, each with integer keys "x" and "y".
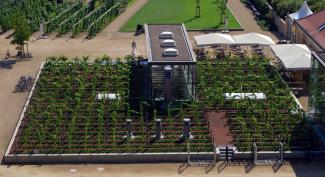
{"x": 7, "y": 64}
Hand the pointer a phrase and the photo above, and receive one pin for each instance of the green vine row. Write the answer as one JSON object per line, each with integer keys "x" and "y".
{"x": 103, "y": 20}
{"x": 55, "y": 22}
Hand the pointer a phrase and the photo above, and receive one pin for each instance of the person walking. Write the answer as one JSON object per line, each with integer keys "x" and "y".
{"x": 7, "y": 54}
{"x": 134, "y": 48}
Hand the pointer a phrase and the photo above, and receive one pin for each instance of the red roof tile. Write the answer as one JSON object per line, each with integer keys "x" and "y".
{"x": 311, "y": 25}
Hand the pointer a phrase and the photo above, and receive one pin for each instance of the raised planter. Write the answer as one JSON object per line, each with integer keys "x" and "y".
{"x": 104, "y": 158}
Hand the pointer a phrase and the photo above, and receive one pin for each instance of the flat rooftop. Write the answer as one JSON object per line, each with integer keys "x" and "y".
{"x": 155, "y": 49}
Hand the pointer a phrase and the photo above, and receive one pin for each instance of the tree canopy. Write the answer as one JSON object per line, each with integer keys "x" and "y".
{"x": 22, "y": 31}
{"x": 289, "y": 6}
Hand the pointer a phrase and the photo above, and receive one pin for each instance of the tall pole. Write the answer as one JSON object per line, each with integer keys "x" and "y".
{"x": 255, "y": 152}
{"x": 188, "y": 153}
{"x": 281, "y": 152}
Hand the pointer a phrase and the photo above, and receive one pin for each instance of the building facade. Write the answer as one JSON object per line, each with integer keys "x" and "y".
{"x": 310, "y": 31}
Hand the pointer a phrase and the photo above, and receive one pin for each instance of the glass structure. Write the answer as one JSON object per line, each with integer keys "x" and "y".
{"x": 180, "y": 78}
{"x": 317, "y": 87}
{"x": 171, "y": 63}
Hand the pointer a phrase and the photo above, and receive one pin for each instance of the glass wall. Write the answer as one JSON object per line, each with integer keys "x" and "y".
{"x": 317, "y": 90}
{"x": 181, "y": 83}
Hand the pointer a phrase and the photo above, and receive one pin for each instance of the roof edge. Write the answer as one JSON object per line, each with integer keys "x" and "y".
{"x": 188, "y": 43}
{"x": 148, "y": 43}
{"x": 318, "y": 57}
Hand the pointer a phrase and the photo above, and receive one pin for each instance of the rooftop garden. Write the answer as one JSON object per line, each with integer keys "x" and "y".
{"x": 64, "y": 117}
{"x": 277, "y": 118}
{"x": 65, "y": 114}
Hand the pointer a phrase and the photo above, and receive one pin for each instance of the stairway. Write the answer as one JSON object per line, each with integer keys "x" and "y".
{"x": 231, "y": 152}
{"x": 157, "y": 76}
{"x": 179, "y": 85}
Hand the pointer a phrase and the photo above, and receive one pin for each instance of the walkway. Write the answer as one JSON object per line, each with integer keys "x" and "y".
{"x": 247, "y": 20}
{"x": 123, "y": 18}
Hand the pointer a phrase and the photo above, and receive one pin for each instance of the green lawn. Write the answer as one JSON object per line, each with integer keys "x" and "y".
{"x": 180, "y": 11}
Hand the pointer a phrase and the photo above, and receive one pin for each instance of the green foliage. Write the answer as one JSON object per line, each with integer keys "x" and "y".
{"x": 266, "y": 122}
{"x": 222, "y": 9}
{"x": 34, "y": 11}
{"x": 67, "y": 24}
{"x": 261, "y": 5}
{"x": 96, "y": 19}
{"x": 289, "y": 6}
{"x": 22, "y": 31}
{"x": 57, "y": 20}
{"x": 103, "y": 20}
{"x": 64, "y": 116}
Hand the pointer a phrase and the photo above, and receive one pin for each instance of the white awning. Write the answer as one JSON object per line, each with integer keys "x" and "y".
{"x": 293, "y": 56}
{"x": 303, "y": 12}
{"x": 253, "y": 38}
{"x": 240, "y": 96}
{"x": 225, "y": 39}
{"x": 213, "y": 39}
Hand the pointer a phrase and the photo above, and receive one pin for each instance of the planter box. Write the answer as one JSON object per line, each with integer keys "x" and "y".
{"x": 104, "y": 158}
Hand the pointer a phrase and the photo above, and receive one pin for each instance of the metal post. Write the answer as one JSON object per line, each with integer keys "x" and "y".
{"x": 158, "y": 129}
{"x": 186, "y": 129}
{"x": 255, "y": 152}
{"x": 129, "y": 134}
{"x": 214, "y": 154}
{"x": 188, "y": 153}
{"x": 147, "y": 123}
{"x": 129, "y": 128}
{"x": 226, "y": 154}
{"x": 281, "y": 152}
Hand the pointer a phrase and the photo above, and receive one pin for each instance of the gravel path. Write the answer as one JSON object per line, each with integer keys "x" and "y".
{"x": 247, "y": 20}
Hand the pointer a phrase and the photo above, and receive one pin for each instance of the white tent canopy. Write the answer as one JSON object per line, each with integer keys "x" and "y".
{"x": 224, "y": 39}
{"x": 253, "y": 38}
{"x": 303, "y": 12}
{"x": 213, "y": 39}
{"x": 293, "y": 56}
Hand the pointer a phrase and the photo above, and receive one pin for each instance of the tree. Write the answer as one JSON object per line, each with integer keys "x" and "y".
{"x": 198, "y": 9}
{"x": 22, "y": 32}
{"x": 222, "y": 7}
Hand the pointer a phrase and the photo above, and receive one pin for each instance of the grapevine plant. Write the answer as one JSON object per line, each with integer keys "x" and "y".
{"x": 64, "y": 116}
{"x": 35, "y": 11}
{"x": 277, "y": 118}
